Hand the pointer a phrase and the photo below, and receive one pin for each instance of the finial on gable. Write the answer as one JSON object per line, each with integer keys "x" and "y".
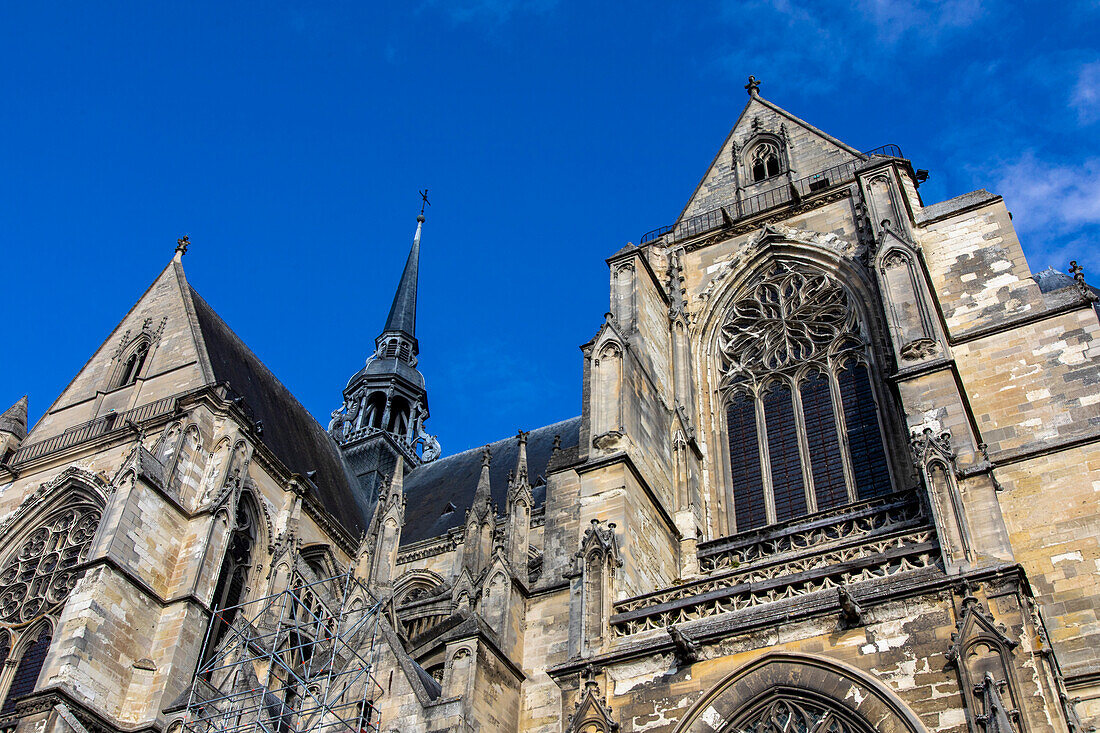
{"x": 753, "y": 87}
{"x": 181, "y": 245}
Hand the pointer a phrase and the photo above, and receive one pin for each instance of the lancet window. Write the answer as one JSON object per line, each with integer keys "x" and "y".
{"x": 801, "y": 403}
{"x": 229, "y": 591}
{"x": 132, "y": 364}
{"x": 27, "y": 669}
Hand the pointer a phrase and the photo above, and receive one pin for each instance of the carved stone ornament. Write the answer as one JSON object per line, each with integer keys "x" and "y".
{"x": 610, "y": 441}
{"x": 687, "y": 649}
{"x": 919, "y": 349}
{"x": 928, "y": 444}
{"x": 976, "y": 623}
{"x": 851, "y": 613}
{"x": 789, "y": 317}
{"x": 591, "y": 713}
{"x": 995, "y": 718}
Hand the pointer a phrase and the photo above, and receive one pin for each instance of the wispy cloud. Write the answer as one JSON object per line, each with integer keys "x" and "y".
{"x": 1085, "y": 98}
{"x": 1056, "y": 207}
{"x": 929, "y": 20}
{"x": 827, "y": 44}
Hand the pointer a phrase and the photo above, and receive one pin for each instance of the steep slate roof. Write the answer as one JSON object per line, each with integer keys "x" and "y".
{"x": 453, "y": 480}
{"x": 289, "y": 430}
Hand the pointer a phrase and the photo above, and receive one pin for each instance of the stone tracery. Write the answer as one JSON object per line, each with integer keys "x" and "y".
{"x": 801, "y": 415}
{"x": 790, "y": 317}
{"x": 38, "y": 576}
{"x": 792, "y": 715}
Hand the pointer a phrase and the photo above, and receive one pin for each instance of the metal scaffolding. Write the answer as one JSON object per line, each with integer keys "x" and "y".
{"x": 299, "y": 660}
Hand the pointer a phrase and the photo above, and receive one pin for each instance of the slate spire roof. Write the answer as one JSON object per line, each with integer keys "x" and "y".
{"x": 402, "y": 317}
{"x": 14, "y": 419}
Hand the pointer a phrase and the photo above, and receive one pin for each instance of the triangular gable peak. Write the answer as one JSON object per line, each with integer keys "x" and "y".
{"x": 154, "y": 352}
{"x": 767, "y": 148}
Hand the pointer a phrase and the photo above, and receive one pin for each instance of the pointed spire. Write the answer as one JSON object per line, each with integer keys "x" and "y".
{"x": 397, "y": 481}
{"x": 995, "y": 717}
{"x": 14, "y": 419}
{"x": 484, "y": 495}
{"x": 521, "y": 460}
{"x": 402, "y": 317}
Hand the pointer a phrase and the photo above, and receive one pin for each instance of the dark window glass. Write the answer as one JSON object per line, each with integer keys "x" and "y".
{"x": 773, "y": 166}
{"x": 864, "y": 439}
{"x": 825, "y": 461}
{"x": 5, "y": 650}
{"x": 26, "y": 674}
{"x": 230, "y": 587}
{"x": 748, "y": 484}
{"x": 786, "y": 463}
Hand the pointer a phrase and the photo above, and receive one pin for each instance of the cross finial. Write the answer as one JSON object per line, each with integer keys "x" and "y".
{"x": 182, "y": 244}
{"x": 424, "y": 201}
{"x": 753, "y": 87}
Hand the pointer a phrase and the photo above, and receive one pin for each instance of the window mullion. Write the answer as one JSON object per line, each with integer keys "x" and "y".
{"x": 803, "y": 448}
{"x": 765, "y": 461}
{"x": 842, "y": 433}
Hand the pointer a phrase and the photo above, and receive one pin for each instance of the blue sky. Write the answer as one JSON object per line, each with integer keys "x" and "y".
{"x": 289, "y": 141}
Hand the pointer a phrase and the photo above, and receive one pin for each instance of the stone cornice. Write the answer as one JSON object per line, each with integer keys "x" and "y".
{"x": 791, "y": 611}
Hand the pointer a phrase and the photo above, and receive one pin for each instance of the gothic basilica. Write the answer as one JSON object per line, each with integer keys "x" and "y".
{"x": 835, "y": 469}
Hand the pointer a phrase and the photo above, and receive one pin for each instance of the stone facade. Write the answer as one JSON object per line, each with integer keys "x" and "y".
{"x": 835, "y": 469}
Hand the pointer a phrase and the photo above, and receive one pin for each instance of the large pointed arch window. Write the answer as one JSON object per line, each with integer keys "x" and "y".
{"x": 801, "y": 405}
{"x": 36, "y": 578}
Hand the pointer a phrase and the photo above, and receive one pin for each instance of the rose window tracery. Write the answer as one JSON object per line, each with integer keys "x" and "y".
{"x": 789, "y": 318}
{"x": 802, "y": 413}
{"x": 42, "y": 571}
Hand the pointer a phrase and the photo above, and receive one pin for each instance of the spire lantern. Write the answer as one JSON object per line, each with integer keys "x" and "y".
{"x": 387, "y": 396}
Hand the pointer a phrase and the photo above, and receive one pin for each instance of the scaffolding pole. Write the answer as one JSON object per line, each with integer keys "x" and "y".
{"x": 299, "y": 660}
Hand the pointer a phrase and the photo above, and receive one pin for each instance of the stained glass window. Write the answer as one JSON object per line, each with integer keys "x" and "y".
{"x": 786, "y": 463}
{"x": 748, "y": 485}
{"x": 26, "y": 674}
{"x": 864, "y": 440}
{"x": 825, "y": 458}
{"x": 791, "y": 318}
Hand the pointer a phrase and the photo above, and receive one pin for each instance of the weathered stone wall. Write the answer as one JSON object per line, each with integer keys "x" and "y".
{"x": 1036, "y": 383}
{"x": 1049, "y": 504}
{"x": 903, "y": 645}
{"x": 978, "y": 269}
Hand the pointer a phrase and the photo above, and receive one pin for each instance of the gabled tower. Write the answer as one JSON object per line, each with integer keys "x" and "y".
{"x": 385, "y": 402}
